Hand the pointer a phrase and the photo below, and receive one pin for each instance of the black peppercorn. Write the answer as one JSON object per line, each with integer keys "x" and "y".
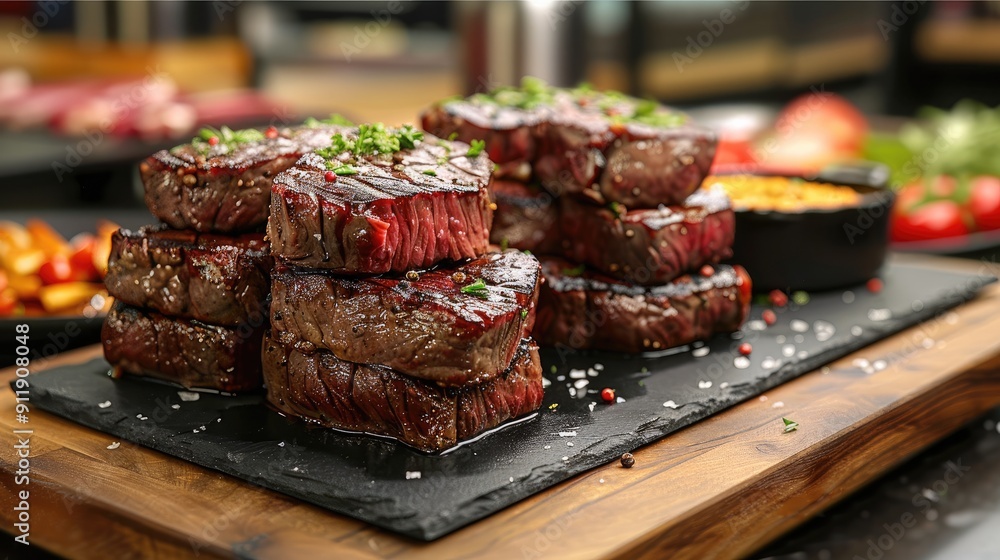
{"x": 628, "y": 460}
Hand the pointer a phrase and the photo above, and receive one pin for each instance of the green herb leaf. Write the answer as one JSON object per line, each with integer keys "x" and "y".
{"x": 790, "y": 425}
{"x": 369, "y": 139}
{"x": 504, "y": 244}
{"x": 524, "y": 313}
{"x": 575, "y": 271}
{"x": 409, "y": 136}
{"x": 453, "y": 136}
{"x": 477, "y": 288}
{"x": 228, "y": 139}
{"x": 476, "y": 147}
{"x": 334, "y": 119}
{"x": 617, "y": 209}
{"x": 343, "y": 169}
{"x": 430, "y": 172}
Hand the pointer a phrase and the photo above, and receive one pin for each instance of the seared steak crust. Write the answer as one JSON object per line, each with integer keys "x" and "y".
{"x": 577, "y": 143}
{"x": 400, "y": 211}
{"x": 216, "y": 279}
{"x": 526, "y": 218}
{"x": 589, "y": 310}
{"x": 224, "y": 190}
{"x": 316, "y": 386}
{"x": 425, "y": 327}
{"x": 190, "y": 353}
{"x": 647, "y": 247}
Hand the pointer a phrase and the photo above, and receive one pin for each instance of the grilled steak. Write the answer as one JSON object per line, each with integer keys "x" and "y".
{"x": 647, "y": 247}
{"x": 588, "y": 310}
{"x": 436, "y": 327}
{"x": 526, "y": 218}
{"x": 317, "y": 386}
{"x": 215, "y": 279}
{"x": 227, "y": 187}
{"x": 190, "y": 353}
{"x": 386, "y": 212}
{"x": 607, "y": 146}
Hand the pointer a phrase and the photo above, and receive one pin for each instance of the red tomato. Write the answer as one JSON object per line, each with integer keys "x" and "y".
{"x": 56, "y": 270}
{"x": 82, "y": 261}
{"x": 732, "y": 152}
{"x": 984, "y": 202}
{"x": 934, "y": 220}
{"x": 828, "y": 114}
{"x": 943, "y": 186}
{"x": 907, "y": 198}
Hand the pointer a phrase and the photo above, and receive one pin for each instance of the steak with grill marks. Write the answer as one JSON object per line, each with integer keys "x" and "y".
{"x": 394, "y": 212}
{"x": 434, "y": 326}
{"x": 316, "y": 386}
{"x": 187, "y": 352}
{"x": 221, "y": 188}
{"x": 606, "y": 146}
{"x": 648, "y": 247}
{"x": 588, "y": 310}
{"x": 222, "y": 280}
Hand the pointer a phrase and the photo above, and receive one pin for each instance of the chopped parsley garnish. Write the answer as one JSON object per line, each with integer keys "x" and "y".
{"x": 476, "y": 147}
{"x": 617, "y": 209}
{"x": 575, "y": 271}
{"x": 524, "y": 313}
{"x": 477, "y": 288}
{"x": 225, "y": 137}
{"x": 370, "y": 139}
{"x": 617, "y": 106}
{"x": 344, "y": 169}
{"x": 335, "y": 119}
{"x": 409, "y": 136}
{"x": 532, "y": 93}
{"x": 430, "y": 172}
{"x": 453, "y": 136}
{"x": 790, "y": 425}
{"x": 504, "y": 244}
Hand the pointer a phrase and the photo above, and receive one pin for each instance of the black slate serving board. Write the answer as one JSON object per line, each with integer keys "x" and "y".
{"x": 426, "y": 496}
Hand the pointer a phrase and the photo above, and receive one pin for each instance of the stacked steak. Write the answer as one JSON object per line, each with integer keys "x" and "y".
{"x": 389, "y": 314}
{"x": 607, "y": 187}
{"x": 192, "y": 293}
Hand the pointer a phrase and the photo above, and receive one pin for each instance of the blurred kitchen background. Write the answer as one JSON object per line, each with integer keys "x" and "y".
{"x": 87, "y": 88}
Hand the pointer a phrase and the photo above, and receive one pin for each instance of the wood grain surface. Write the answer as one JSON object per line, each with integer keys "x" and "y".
{"x": 719, "y": 489}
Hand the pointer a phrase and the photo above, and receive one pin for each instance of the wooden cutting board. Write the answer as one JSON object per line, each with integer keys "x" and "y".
{"x": 719, "y": 489}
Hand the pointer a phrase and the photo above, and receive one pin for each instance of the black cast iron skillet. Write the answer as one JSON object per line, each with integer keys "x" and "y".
{"x": 819, "y": 249}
